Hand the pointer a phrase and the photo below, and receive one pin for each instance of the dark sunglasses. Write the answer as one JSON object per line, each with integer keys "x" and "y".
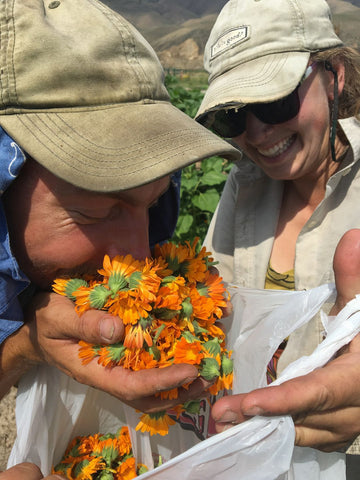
{"x": 232, "y": 123}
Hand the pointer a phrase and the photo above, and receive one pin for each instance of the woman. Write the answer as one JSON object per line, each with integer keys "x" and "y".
{"x": 286, "y": 91}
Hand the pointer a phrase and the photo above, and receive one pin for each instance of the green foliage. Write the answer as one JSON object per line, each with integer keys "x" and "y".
{"x": 186, "y": 99}
{"x": 201, "y": 183}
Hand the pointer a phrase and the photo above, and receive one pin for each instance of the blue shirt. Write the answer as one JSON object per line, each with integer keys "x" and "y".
{"x": 12, "y": 280}
{"x": 162, "y": 221}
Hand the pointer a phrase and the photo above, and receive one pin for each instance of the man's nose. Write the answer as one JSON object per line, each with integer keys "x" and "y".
{"x": 130, "y": 238}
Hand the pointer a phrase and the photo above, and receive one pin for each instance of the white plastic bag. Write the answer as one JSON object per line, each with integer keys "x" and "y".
{"x": 52, "y": 408}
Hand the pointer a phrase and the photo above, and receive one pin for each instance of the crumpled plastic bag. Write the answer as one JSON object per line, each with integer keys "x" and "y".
{"x": 52, "y": 408}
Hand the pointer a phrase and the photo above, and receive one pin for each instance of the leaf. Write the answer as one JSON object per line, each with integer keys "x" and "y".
{"x": 184, "y": 224}
{"x": 189, "y": 183}
{"x": 213, "y": 178}
{"x": 212, "y": 163}
{"x": 207, "y": 201}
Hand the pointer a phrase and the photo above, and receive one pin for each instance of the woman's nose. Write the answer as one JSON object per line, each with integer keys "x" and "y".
{"x": 256, "y": 129}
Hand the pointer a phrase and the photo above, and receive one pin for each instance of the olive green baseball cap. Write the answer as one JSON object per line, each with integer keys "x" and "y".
{"x": 82, "y": 93}
{"x": 258, "y": 51}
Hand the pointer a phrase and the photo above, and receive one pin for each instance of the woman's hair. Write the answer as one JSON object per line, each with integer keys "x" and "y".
{"x": 349, "y": 100}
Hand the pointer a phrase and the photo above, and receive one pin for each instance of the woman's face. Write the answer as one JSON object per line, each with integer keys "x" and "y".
{"x": 299, "y": 147}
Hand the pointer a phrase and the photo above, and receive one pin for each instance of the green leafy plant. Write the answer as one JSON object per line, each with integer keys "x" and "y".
{"x": 201, "y": 183}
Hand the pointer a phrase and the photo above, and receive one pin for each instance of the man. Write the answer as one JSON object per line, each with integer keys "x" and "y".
{"x": 88, "y": 141}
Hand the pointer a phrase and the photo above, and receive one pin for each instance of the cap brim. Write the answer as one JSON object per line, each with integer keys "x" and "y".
{"x": 265, "y": 79}
{"x": 114, "y": 148}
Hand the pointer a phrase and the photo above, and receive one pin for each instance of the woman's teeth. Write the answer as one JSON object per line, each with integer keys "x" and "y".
{"x": 277, "y": 149}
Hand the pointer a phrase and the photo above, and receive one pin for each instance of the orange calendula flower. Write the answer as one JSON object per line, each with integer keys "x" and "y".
{"x": 66, "y": 287}
{"x": 146, "y": 360}
{"x": 93, "y": 296}
{"x": 89, "y": 468}
{"x": 194, "y": 269}
{"x": 98, "y": 456}
{"x": 169, "y": 394}
{"x": 128, "y": 309}
{"x": 126, "y": 470}
{"x": 186, "y": 352}
{"x": 144, "y": 284}
{"x": 169, "y": 305}
{"x": 155, "y": 423}
{"x": 88, "y": 351}
{"x": 116, "y": 272}
{"x": 174, "y": 256}
{"x": 137, "y": 335}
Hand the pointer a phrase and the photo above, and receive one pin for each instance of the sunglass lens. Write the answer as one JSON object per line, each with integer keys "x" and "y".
{"x": 230, "y": 123}
{"x": 279, "y": 111}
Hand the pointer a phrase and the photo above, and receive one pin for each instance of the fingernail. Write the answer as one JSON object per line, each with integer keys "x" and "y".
{"x": 252, "y": 411}
{"x": 227, "y": 426}
{"x": 107, "y": 328}
{"x": 228, "y": 417}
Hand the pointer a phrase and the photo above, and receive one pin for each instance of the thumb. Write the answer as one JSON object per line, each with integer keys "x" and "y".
{"x": 95, "y": 326}
{"x": 56, "y": 316}
{"x": 23, "y": 471}
{"x": 347, "y": 269}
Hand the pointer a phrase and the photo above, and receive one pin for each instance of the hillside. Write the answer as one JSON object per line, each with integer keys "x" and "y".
{"x": 178, "y": 29}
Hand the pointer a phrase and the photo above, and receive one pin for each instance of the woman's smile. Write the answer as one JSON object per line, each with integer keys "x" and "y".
{"x": 277, "y": 149}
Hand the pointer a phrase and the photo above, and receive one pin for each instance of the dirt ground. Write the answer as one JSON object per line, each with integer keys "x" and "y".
{"x": 7, "y": 426}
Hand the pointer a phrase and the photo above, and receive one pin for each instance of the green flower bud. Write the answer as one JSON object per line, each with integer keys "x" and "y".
{"x": 189, "y": 337}
{"x": 165, "y": 313}
{"x": 105, "y": 475}
{"x": 187, "y": 308}
{"x": 198, "y": 330}
{"x": 79, "y": 466}
{"x": 210, "y": 368}
{"x": 192, "y": 406}
{"x": 117, "y": 282}
{"x": 202, "y": 289}
{"x": 134, "y": 280}
{"x": 168, "y": 279}
{"x": 142, "y": 469}
{"x": 98, "y": 296}
{"x": 213, "y": 347}
{"x": 227, "y": 365}
{"x": 173, "y": 264}
{"x": 116, "y": 351}
{"x": 155, "y": 352}
{"x": 72, "y": 285}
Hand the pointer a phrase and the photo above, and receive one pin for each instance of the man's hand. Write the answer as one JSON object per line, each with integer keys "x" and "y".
{"x": 51, "y": 336}
{"x": 26, "y": 471}
{"x": 325, "y": 404}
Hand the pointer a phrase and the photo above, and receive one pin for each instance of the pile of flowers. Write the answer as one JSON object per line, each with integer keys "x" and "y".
{"x": 169, "y": 305}
{"x": 100, "y": 457}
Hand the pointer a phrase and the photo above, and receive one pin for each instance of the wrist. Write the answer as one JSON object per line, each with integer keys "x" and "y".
{"x": 17, "y": 356}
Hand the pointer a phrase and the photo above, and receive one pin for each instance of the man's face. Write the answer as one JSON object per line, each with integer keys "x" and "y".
{"x": 57, "y": 229}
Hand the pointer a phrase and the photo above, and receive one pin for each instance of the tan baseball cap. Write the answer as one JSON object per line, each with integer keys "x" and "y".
{"x": 258, "y": 51}
{"x": 81, "y": 91}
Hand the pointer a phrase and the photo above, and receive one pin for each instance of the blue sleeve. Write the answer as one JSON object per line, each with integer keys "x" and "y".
{"x": 164, "y": 215}
{"x": 12, "y": 283}
{"x": 12, "y": 280}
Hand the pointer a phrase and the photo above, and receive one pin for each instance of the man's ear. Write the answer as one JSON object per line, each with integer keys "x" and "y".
{"x": 338, "y": 66}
